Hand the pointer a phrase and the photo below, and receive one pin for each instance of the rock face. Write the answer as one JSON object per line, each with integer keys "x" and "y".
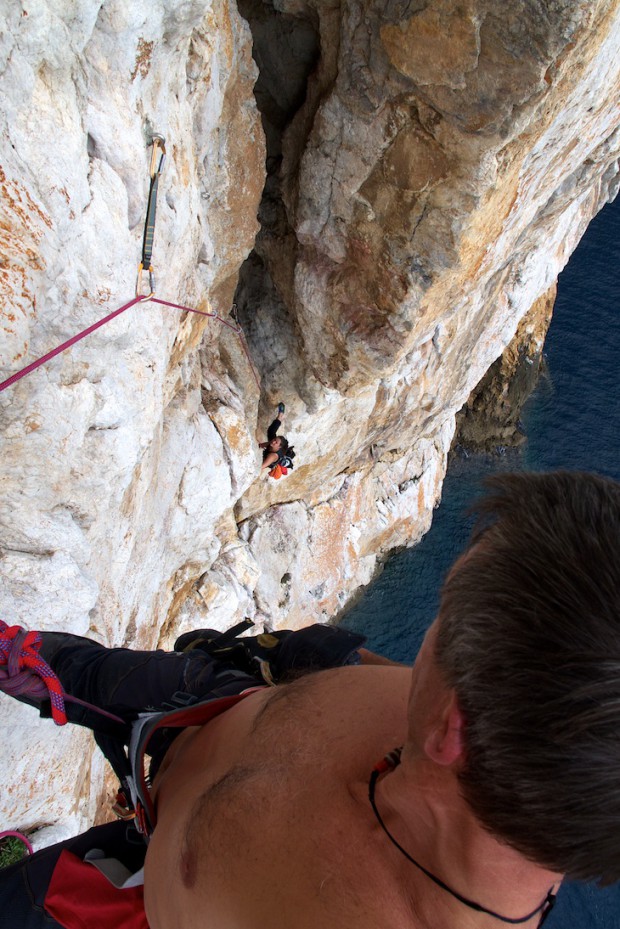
{"x": 421, "y": 173}
{"x": 490, "y": 420}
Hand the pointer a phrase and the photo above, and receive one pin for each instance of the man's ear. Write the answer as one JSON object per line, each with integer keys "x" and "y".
{"x": 445, "y": 744}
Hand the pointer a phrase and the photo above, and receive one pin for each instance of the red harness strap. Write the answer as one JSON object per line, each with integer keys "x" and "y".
{"x": 143, "y": 730}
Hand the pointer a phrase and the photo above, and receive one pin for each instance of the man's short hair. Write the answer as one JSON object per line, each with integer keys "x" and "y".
{"x": 529, "y": 637}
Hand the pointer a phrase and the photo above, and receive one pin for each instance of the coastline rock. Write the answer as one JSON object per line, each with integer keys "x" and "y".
{"x": 491, "y": 417}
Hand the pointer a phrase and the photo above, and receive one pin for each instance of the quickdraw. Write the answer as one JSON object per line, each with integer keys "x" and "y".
{"x": 158, "y": 156}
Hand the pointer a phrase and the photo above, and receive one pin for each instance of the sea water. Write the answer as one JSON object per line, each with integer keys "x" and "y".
{"x": 572, "y": 421}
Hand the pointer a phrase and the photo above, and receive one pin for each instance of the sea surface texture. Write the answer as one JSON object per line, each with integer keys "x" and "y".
{"x": 572, "y": 421}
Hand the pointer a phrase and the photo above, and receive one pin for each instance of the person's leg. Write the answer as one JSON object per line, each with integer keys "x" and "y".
{"x": 119, "y": 680}
{"x": 127, "y": 682}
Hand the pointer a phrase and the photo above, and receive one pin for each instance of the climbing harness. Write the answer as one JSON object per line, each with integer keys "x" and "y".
{"x": 157, "y": 162}
{"x": 158, "y": 156}
{"x": 276, "y": 657}
{"x": 283, "y": 465}
{"x": 143, "y": 729}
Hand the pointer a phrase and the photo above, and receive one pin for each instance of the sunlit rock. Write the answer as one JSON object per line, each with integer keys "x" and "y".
{"x": 419, "y": 177}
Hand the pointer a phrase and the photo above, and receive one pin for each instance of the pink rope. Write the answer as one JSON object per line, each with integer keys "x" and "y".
{"x": 11, "y": 834}
{"x": 237, "y": 329}
{"x": 81, "y": 335}
{"x": 60, "y": 348}
{"x": 24, "y": 673}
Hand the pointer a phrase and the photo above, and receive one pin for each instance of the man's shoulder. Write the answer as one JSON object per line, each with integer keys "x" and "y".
{"x": 360, "y": 706}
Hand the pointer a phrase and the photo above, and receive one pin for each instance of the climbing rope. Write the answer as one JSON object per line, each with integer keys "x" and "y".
{"x": 23, "y": 673}
{"x": 145, "y": 299}
{"x": 213, "y": 315}
{"x": 60, "y": 348}
{"x": 158, "y": 155}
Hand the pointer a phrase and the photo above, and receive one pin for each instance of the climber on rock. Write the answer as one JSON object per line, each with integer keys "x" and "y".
{"x": 276, "y": 449}
{"x": 457, "y": 793}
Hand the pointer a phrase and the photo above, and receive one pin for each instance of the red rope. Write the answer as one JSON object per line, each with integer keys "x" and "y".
{"x": 23, "y": 671}
{"x": 76, "y": 338}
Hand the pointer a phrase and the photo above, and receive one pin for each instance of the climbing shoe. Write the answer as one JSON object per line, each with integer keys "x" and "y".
{"x": 281, "y": 407}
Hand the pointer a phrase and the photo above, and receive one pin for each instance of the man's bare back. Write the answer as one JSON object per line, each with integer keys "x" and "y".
{"x": 263, "y": 814}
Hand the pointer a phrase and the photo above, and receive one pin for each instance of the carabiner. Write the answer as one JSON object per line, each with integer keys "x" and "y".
{"x": 159, "y": 145}
{"x": 151, "y": 282}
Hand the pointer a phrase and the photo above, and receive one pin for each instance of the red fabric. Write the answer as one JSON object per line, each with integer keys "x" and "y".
{"x": 80, "y": 897}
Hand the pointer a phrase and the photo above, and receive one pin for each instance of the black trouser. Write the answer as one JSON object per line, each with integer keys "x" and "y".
{"x": 23, "y": 886}
{"x": 126, "y": 682}
{"x": 273, "y": 430}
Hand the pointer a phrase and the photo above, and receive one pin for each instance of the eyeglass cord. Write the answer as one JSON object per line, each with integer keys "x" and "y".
{"x": 391, "y": 760}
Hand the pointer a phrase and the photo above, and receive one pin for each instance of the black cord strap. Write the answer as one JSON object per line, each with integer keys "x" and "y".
{"x": 390, "y": 762}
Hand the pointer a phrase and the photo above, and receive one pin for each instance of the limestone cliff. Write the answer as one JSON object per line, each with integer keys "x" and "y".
{"x": 421, "y": 173}
{"x": 490, "y": 420}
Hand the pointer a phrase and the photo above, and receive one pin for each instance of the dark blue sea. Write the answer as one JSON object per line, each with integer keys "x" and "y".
{"x": 572, "y": 421}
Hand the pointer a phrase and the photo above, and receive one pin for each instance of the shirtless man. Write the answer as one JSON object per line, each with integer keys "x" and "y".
{"x": 514, "y": 694}
{"x": 271, "y": 816}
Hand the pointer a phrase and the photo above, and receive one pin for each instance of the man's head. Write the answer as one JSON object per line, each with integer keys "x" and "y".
{"x": 529, "y": 638}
